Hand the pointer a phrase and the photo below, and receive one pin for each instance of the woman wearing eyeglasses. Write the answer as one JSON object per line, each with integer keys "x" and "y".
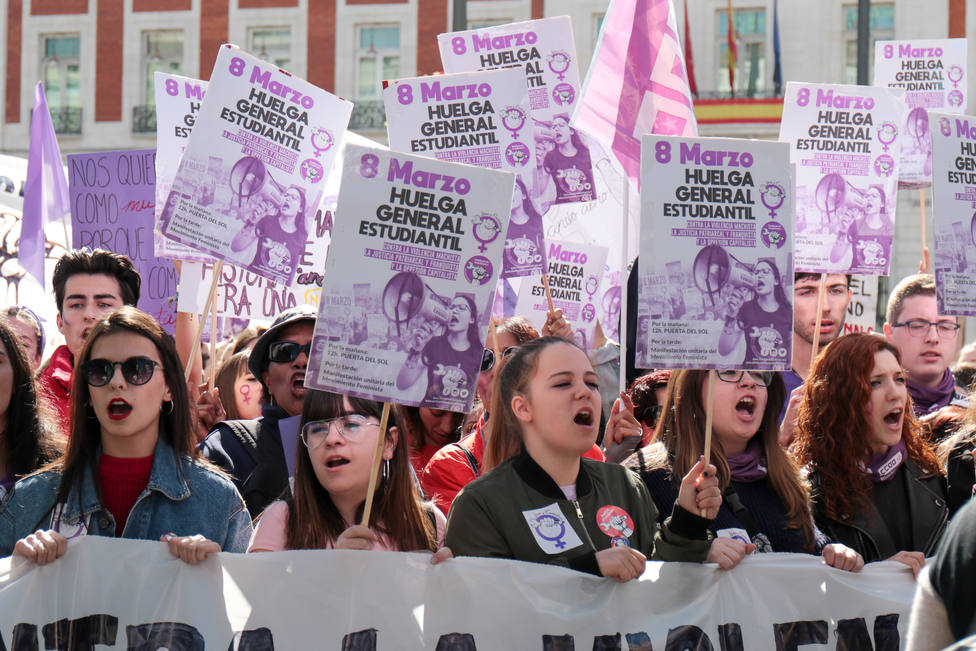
{"x": 764, "y": 499}
{"x": 877, "y": 486}
{"x": 131, "y": 470}
{"x": 338, "y": 439}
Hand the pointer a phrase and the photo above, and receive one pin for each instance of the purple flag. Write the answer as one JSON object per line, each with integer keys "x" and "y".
{"x": 46, "y": 189}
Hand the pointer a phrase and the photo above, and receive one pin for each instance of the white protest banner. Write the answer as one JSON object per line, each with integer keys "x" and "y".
{"x": 862, "y": 311}
{"x": 574, "y": 275}
{"x": 716, "y": 227}
{"x": 178, "y": 101}
{"x": 479, "y": 118}
{"x": 932, "y": 72}
{"x": 545, "y": 50}
{"x": 254, "y": 167}
{"x": 954, "y": 212}
{"x": 410, "y": 279}
{"x": 134, "y": 595}
{"x": 844, "y": 142}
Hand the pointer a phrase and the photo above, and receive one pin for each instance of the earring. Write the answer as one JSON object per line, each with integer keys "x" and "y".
{"x": 386, "y": 469}
{"x": 167, "y": 412}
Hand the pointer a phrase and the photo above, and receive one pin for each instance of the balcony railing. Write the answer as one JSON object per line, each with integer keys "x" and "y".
{"x": 144, "y": 119}
{"x": 66, "y": 120}
{"x": 368, "y": 114}
{"x": 739, "y": 94}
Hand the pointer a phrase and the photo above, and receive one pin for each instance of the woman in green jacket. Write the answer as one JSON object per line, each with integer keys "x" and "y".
{"x": 549, "y": 505}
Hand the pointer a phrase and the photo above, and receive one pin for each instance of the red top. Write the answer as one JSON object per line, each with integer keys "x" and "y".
{"x": 449, "y": 470}
{"x": 419, "y": 458}
{"x": 123, "y": 480}
{"x": 55, "y": 386}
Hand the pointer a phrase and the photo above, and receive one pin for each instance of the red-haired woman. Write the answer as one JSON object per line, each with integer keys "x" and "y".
{"x": 877, "y": 486}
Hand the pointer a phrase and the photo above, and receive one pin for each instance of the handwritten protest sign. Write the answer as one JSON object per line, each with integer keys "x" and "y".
{"x": 424, "y": 239}
{"x": 112, "y": 208}
{"x": 545, "y": 51}
{"x": 844, "y": 142}
{"x": 862, "y": 311}
{"x": 932, "y": 73}
{"x": 954, "y": 212}
{"x": 479, "y": 118}
{"x": 178, "y": 101}
{"x": 255, "y": 165}
{"x": 575, "y": 272}
{"x": 715, "y": 254}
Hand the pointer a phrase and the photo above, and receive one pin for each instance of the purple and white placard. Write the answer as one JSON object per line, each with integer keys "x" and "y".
{"x": 479, "y": 118}
{"x": 575, "y": 273}
{"x": 178, "y": 101}
{"x": 255, "y": 166}
{"x": 425, "y": 240}
{"x": 112, "y": 209}
{"x": 716, "y": 272}
{"x": 844, "y": 143}
{"x": 954, "y": 212}
{"x": 545, "y": 51}
{"x": 932, "y": 73}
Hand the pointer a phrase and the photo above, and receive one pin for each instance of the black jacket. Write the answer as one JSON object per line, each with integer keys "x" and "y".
{"x": 866, "y": 531}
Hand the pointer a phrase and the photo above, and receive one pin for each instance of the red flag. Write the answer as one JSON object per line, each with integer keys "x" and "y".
{"x": 689, "y": 59}
{"x": 733, "y": 51}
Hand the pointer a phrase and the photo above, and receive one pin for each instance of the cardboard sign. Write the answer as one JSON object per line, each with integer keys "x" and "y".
{"x": 479, "y": 118}
{"x": 844, "y": 143}
{"x": 112, "y": 208}
{"x": 932, "y": 72}
{"x": 425, "y": 240}
{"x": 716, "y": 272}
{"x": 255, "y": 166}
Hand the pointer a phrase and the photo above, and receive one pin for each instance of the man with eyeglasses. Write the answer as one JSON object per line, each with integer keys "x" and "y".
{"x": 926, "y": 342}
{"x": 254, "y": 452}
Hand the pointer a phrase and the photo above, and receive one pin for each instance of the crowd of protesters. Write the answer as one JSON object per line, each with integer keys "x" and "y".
{"x": 862, "y": 453}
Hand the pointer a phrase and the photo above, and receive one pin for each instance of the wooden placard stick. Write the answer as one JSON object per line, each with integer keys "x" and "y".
{"x": 374, "y": 471}
{"x": 709, "y": 412}
{"x": 213, "y": 347}
{"x": 545, "y": 285}
{"x": 206, "y": 308}
{"x": 921, "y": 194}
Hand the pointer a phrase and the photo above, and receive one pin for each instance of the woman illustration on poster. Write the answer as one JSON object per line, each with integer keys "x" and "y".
{"x": 452, "y": 360}
{"x": 873, "y": 233}
{"x": 523, "y": 246}
{"x": 281, "y": 237}
{"x": 543, "y": 189}
{"x": 569, "y": 163}
{"x": 766, "y": 321}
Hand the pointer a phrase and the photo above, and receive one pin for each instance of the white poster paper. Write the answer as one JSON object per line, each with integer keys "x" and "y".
{"x": 716, "y": 272}
{"x": 479, "y": 118}
{"x": 178, "y": 101}
{"x": 129, "y": 594}
{"x": 844, "y": 142}
{"x": 545, "y": 51}
{"x": 255, "y": 165}
{"x": 954, "y": 212}
{"x": 424, "y": 238}
{"x": 575, "y": 273}
{"x": 932, "y": 72}
{"x": 862, "y": 311}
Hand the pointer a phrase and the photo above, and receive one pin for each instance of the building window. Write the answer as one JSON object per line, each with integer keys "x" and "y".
{"x": 377, "y": 58}
{"x": 273, "y": 44}
{"x": 750, "y": 40}
{"x": 61, "y": 72}
{"x": 162, "y": 51}
{"x": 882, "y": 28}
{"x": 486, "y": 23}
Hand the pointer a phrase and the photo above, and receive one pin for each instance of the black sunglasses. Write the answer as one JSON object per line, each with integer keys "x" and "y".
{"x": 287, "y": 351}
{"x": 488, "y": 357}
{"x": 135, "y": 370}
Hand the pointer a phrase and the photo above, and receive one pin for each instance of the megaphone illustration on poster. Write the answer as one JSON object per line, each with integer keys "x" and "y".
{"x": 406, "y": 296}
{"x": 249, "y": 177}
{"x": 834, "y": 193}
{"x": 714, "y": 267}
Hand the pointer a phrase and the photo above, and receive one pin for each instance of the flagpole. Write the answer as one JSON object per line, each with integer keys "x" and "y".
{"x": 622, "y": 333}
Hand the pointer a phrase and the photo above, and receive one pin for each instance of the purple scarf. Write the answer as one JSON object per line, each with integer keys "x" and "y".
{"x": 929, "y": 399}
{"x": 750, "y": 466}
{"x": 882, "y": 467}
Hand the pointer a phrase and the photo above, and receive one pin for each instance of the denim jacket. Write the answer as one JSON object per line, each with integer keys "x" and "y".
{"x": 182, "y": 497}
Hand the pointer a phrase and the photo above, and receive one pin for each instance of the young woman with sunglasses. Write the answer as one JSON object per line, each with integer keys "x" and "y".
{"x": 547, "y": 504}
{"x": 877, "y": 485}
{"x": 454, "y": 466}
{"x": 333, "y": 462}
{"x": 131, "y": 469}
{"x": 765, "y": 500}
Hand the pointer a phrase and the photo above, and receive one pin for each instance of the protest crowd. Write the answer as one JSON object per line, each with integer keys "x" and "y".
{"x": 525, "y": 440}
